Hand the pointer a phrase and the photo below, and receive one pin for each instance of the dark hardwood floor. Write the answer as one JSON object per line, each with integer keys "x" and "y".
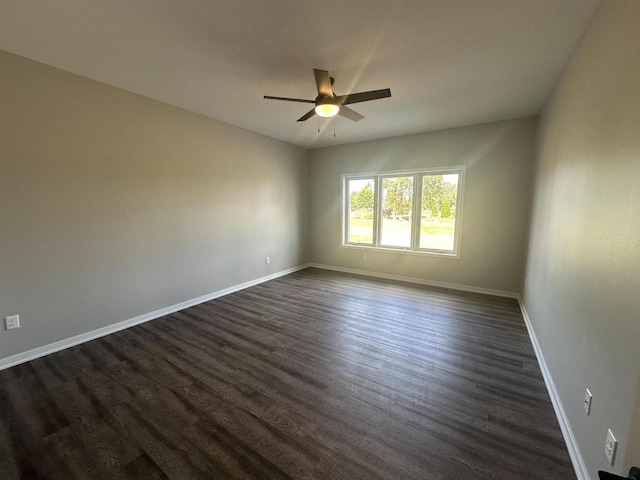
{"x": 315, "y": 375}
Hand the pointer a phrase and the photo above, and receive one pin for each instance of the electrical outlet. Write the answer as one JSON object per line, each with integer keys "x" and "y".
{"x": 365, "y": 256}
{"x": 610, "y": 447}
{"x": 587, "y": 401}
{"x": 268, "y": 259}
{"x": 11, "y": 322}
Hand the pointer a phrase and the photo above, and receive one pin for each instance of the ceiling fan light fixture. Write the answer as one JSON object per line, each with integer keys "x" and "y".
{"x": 327, "y": 108}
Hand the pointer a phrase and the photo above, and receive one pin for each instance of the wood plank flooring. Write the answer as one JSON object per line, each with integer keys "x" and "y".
{"x": 315, "y": 375}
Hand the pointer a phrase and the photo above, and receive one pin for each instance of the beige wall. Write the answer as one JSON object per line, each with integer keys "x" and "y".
{"x": 113, "y": 205}
{"x": 498, "y": 157}
{"x": 583, "y": 268}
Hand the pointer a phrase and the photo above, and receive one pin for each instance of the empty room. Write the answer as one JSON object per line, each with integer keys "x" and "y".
{"x": 334, "y": 240}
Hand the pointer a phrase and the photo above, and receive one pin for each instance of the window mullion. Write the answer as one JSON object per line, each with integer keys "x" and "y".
{"x": 415, "y": 213}
{"x": 377, "y": 209}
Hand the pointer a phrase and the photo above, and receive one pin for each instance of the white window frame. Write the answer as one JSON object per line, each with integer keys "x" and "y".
{"x": 345, "y": 219}
{"x": 416, "y": 213}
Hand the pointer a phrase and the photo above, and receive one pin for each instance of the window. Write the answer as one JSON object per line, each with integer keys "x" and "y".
{"x": 397, "y": 206}
{"x": 416, "y": 211}
{"x": 360, "y": 193}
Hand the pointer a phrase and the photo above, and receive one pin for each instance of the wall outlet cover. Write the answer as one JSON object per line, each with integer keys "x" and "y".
{"x": 587, "y": 401}
{"x": 11, "y": 322}
{"x": 610, "y": 447}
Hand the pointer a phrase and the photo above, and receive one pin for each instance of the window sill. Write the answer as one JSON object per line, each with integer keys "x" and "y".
{"x": 428, "y": 253}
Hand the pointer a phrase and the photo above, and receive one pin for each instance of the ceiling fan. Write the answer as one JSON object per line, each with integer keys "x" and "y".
{"x": 328, "y": 104}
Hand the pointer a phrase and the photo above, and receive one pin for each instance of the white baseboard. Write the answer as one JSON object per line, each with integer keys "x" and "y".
{"x": 19, "y": 358}
{"x": 432, "y": 283}
{"x": 574, "y": 452}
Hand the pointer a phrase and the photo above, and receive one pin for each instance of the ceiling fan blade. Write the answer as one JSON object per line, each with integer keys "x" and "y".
{"x": 307, "y": 115}
{"x": 350, "y": 114}
{"x": 286, "y": 99}
{"x": 363, "y": 96}
{"x": 323, "y": 82}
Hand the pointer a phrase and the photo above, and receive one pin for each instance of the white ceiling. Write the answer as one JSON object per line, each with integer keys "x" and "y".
{"x": 448, "y": 62}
